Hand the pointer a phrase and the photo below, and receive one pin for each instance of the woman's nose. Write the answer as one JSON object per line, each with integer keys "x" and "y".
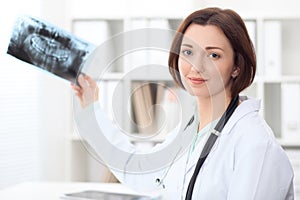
{"x": 198, "y": 65}
{"x": 202, "y": 63}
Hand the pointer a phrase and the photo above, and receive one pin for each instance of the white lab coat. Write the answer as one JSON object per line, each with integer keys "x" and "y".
{"x": 246, "y": 162}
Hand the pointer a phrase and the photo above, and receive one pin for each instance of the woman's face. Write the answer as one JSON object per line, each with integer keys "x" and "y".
{"x": 206, "y": 61}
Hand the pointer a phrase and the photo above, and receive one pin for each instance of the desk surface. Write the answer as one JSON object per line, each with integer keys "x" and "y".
{"x": 54, "y": 190}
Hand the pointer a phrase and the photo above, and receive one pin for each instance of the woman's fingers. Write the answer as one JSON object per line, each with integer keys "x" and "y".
{"x": 88, "y": 90}
{"x": 86, "y": 81}
{"x": 76, "y": 88}
{"x": 90, "y": 81}
{"x": 82, "y": 81}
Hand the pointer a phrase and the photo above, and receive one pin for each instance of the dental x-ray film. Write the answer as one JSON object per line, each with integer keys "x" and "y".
{"x": 48, "y": 47}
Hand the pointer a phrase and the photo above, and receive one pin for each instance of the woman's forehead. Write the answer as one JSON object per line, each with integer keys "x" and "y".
{"x": 202, "y": 36}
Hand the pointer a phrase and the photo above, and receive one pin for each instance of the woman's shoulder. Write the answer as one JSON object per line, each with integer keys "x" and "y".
{"x": 250, "y": 128}
{"x": 254, "y": 126}
{"x": 252, "y": 133}
{"x": 247, "y": 121}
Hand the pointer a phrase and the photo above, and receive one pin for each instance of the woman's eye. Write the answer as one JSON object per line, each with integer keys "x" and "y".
{"x": 187, "y": 52}
{"x": 214, "y": 55}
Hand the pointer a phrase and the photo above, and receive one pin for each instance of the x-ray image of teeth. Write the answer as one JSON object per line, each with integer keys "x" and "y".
{"x": 48, "y": 47}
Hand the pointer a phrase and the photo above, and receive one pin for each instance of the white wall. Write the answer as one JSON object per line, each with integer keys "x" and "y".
{"x": 57, "y": 96}
{"x": 129, "y": 7}
{"x": 20, "y": 130}
{"x": 56, "y": 103}
{"x": 260, "y": 7}
{"x": 57, "y": 127}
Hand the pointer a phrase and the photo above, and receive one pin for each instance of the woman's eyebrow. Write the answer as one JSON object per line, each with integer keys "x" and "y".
{"x": 187, "y": 45}
{"x": 206, "y": 48}
{"x": 213, "y": 47}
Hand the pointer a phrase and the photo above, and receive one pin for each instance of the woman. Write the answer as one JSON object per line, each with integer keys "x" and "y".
{"x": 213, "y": 59}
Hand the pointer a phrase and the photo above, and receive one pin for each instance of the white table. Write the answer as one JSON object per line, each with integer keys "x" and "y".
{"x": 54, "y": 190}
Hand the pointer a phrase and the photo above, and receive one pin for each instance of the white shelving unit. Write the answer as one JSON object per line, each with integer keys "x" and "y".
{"x": 144, "y": 64}
{"x": 278, "y": 82}
{"x": 125, "y": 71}
{"x": 276, "y": 41}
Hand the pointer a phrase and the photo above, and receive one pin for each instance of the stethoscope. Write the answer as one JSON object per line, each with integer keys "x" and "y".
{"x": 210, "y": 143}
{"x": 207, "y": 147}
{"x": 160, "y": 181}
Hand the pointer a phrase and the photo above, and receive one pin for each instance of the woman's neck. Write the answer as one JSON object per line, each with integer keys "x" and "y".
{"x": 211, "y": 108}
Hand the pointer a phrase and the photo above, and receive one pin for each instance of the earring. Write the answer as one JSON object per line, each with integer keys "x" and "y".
{"x": 234, "y": 76}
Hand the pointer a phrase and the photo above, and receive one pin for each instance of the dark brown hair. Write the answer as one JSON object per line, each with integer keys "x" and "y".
{"x": 234, "y": 29}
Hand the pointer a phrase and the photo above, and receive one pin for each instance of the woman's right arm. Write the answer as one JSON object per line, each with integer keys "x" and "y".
{"x": 92, "y": 118}
{"x": 109, "y": 143}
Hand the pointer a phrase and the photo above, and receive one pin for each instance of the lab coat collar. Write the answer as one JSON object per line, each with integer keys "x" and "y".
{"x": 248, "y": 105}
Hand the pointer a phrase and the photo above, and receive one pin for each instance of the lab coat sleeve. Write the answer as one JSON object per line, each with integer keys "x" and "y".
{"x": 261, "y": 172}
{"x": 95, "y": 128}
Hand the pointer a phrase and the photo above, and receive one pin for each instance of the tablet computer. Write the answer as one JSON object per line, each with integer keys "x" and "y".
{"x": 101, "y": 195}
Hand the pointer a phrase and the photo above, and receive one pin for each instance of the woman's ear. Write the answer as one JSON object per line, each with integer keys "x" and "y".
{"x": 235, "y": 72}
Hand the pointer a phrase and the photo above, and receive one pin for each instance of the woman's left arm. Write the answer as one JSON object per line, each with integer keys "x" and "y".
{"x": 262, "y": 172}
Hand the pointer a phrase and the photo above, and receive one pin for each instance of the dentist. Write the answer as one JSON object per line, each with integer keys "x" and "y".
{"x": 234, "y": 154}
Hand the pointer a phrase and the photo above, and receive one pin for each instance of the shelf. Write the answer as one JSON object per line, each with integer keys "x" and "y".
{"x": 289, "y": 144}
{"x": 290, "y": 46}
{"x": 159, "y": 139}
{"x": 135, "y": 138}
{"x": 151, "y": 77}
{"x": 149, "y": 65}
{"x": 281, "y": 79}
{"x": 275, "y": 38}
{"x": 111, "y": 76}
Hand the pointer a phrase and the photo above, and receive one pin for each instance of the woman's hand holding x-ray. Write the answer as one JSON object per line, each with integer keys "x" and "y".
{"x": 88, "y": 92}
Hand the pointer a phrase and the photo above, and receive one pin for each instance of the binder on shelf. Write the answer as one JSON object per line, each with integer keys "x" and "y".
{"x": 137, "y": 57}
{"x": 251, "y": 28}
{"x": 94, "y": 31}
{"x": 106, "y": 96}
{"x": 159, "y": 113}
{"x": 139, "y": 23}
{"x": 272, "y": 48}
{"x": 100, "y": 32}
{"x": 146, "y": 55}
{"x": 155, "y": 108}
{"x": 142, "y": 103}
{"x": 168, "y": 114}
{"x": 290, "y": 111}
{"x": 160, "y": 56}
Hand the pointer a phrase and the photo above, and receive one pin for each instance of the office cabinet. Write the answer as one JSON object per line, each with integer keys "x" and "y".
{"x": 277, "y": 81}
{"x": 275, "y": 40}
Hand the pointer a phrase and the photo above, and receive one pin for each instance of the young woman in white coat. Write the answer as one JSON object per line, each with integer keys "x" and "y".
{"x": 213, "y": 59}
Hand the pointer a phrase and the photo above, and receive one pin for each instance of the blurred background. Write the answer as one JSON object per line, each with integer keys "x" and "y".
{"x": 38, "y": 139}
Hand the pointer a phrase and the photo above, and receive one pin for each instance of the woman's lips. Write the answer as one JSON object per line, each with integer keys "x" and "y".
{"x": 197, "y": 81}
